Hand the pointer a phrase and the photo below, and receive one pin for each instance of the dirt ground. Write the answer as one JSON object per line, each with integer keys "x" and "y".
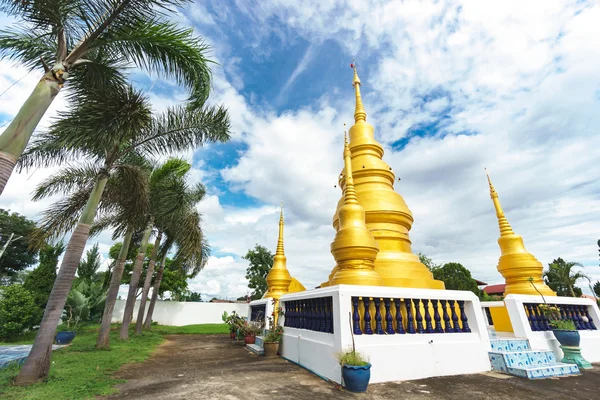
{"x": 214, "y": 367}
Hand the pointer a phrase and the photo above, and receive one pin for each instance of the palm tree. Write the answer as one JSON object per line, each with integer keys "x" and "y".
{"x": 169, "y": 195}
{"x": 94, "y": 42}
{"x": 561, "y": 277}
{"x": 107, "y": 127}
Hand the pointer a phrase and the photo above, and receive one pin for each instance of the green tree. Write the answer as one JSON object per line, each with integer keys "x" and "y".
{"x": 109, "y": 129}
{"x": 457, "y": 277}
{"x": 17, "y": 311}
{"x": 191, "y": 297}
{"x": 88, "y": 267}
{"x": 261, "y": 261}
{"x": 75, "y": 42}
{"x": 597, "y": 288}
{"x": 561, "y": 278}
{"x": 17, "y": 256}
{"x": 428, "y": 262}
{"x": 40, "y": 281}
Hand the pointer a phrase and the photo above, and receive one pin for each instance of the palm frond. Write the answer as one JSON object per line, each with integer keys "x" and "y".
{"x": 49, "y": 149}
{"x": 163, "y": 48}
{"x": 68, "y": 179}
{"x": 193, "y": 249}
{"x": 179, "y": 129}
{"x": 26, "y": 46}
{"x": 40, "y": 13}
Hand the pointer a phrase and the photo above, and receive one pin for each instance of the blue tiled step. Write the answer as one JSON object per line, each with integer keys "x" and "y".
{"x": 548, "y": 371}
{"x": 515, "y": 357}
{"x": 510, "y": 344}
{"x": 523, "y": 359}
{"x": 259, "y": 340}
{"x": 254, "y": 348}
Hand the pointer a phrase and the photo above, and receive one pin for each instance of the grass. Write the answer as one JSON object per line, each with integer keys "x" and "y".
{"x": 82, "y": 372}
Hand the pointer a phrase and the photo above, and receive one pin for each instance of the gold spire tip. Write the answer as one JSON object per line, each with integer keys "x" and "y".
{"x": 359, "y": 112}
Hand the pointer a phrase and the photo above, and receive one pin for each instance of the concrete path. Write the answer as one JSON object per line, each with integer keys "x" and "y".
{"x": 213, "y": 367}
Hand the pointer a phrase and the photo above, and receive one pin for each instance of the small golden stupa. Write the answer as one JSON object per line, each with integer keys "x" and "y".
{"x": 279, "y": 280}
{"x": 516, "y": 264}
{"x": 354, "y": 248}
{"x": 387, "y": 215}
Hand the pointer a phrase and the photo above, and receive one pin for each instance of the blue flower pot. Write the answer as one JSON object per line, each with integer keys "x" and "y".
{"x": 567, "y": 338}
{"x": 65, "y": 337}
{"x": 356, "y": 379}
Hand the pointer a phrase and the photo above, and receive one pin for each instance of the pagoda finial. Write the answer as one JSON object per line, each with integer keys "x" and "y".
{"x": 359, "y": 112}
{"x": 349, "y": 192}
{"x": 279, "y": 250}
{"x": 505, "y": 228}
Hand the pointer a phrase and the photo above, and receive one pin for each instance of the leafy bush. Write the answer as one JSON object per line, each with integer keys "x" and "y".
{"x": 17, "y": 311}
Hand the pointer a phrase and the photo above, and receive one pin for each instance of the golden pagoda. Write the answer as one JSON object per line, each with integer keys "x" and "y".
{"x": 354, "y": 248}
{"x": 279, "y": 280}
{"x": 387, "y": 215}
{"x": 517, "y": 266}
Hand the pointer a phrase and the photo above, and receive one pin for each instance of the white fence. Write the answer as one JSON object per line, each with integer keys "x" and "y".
{"x": 544, "y": 339}
{"x": 319, "y": 326}
{"x": 177, "y": 313}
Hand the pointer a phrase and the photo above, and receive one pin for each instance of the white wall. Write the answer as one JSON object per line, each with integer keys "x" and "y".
{"x": 393, "y": 357}
{"x": 185, "y": 313}
{"x": 545, "y": 340}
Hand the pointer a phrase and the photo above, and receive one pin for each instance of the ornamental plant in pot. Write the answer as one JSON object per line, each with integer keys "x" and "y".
{"x": 275, "y": 332}
{"x": 356, "y": 369}
{"x": 250, "y": 330}
{"x": 233, "y": 322}
{"x": 66, "y": 331}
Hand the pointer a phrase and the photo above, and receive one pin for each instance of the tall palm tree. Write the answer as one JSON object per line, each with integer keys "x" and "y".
{"x": 123, "y": 207}
{"x": 560, "y": 274}
{"x": 94, "y": 41}
{"x": 169, "y": 195}
{"x": 107, "y": 128}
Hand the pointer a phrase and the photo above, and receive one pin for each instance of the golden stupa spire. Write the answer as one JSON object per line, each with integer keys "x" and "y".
{"x": 279, "y": 250}
{"x": 505, "y": 228}
{"x": 354, "y": 248}
{"x": 386, "y": 214}
{"x": 359, "y": 112}
{"x": 278, "y": 278}
{"x": 516, "y": 264}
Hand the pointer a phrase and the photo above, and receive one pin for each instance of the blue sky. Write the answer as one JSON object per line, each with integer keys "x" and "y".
{"x": 451, "y": 87}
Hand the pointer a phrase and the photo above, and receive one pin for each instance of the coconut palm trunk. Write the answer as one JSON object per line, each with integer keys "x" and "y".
{"x": 133, "y": 283}
{"x": 15, "y": 137}
{"x": 147, "y": 282}
{"x": 37, "y": 364}
{"x": 111, "y": 298}
{"x": 155, "y": 290}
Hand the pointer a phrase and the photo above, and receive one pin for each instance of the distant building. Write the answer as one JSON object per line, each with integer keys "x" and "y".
{"x": 495, "y": 290}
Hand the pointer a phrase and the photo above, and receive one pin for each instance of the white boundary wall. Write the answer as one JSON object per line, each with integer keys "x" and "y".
{"x": 393, "y": 357}
{"x": 177, "y": 313}
{"x": 590, "y": 339}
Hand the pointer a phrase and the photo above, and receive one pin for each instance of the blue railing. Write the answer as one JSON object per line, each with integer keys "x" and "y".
{"x": 578, "y": 313}
{"x": 488, "y": 315}
{"x": 389, "y": 316}
{"x": 257, "y": 312}
{"x": 314, "y": 314}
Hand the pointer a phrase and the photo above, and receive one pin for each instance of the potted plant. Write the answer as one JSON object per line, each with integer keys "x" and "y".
{"x": 232, "y": 322}
{"x": 356, "y": 369}
{"x": 66, "y": 334}
{"x": 272, "y": 340}
{"x": 250, "y": 330}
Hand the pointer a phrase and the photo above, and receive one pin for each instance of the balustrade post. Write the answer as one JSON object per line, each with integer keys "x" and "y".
{"x": 532, "y": 317}
{"x": 356, "y": 317}
{"x": 367, "y": 317}
{"x": 409, "y": 318}
{"x": 447, "y": 325}
{"x": 399, "y": 327}
{"x": 455, "y": 325}
{"x": 463, "y": 316}
{"x": 428, "y": 326}
{"x": 389, "y": 325}
{"x": 418, "y": 316}
{"x": 436, "y": 317}
{"x": 378, "y": 319}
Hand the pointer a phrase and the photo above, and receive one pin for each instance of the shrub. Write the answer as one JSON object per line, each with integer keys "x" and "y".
{"x": 17, "y": 311}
